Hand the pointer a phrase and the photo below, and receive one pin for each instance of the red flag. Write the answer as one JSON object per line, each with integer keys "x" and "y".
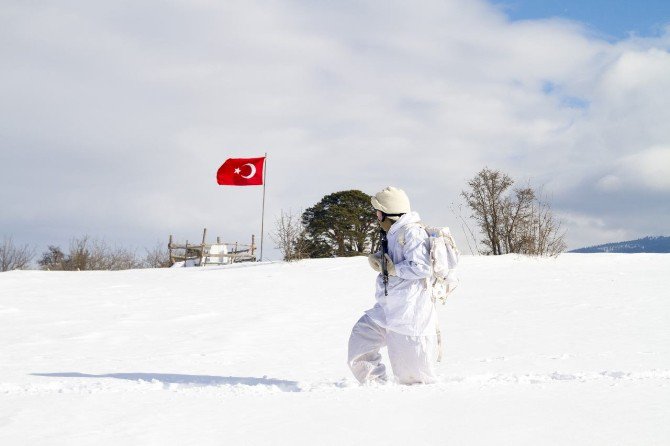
{"x": 241, "y": 172}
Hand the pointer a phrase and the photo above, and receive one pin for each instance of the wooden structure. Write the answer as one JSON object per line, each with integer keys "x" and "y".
{"x": 219, "y": 253}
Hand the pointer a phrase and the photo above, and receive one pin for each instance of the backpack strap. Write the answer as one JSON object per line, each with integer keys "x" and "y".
{"x": 401, "y": 241}
{"x": 438, "y": 334}
{"x": 403, "y": 234}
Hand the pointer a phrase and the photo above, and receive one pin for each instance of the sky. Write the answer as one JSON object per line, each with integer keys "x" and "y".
{"x": 610, "y": 19}
{"x": 115, "y": 116}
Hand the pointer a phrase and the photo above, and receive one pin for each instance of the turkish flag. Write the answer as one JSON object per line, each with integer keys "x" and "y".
{"x": 241, "y": 172}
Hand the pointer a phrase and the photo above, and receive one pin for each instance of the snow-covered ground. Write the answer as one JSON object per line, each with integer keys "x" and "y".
{"x": 573, "y": 350}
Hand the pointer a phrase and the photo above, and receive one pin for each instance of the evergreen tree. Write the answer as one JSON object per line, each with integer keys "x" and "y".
{"x": 341, "y": 224}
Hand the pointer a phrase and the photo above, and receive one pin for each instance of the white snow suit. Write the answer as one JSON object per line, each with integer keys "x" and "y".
{"x": 406, "y": 319}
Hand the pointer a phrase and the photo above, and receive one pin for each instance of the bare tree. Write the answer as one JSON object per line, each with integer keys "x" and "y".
{"x": 111, "y": 258}
{"x": 53, "y": 259}
{"x": 157, "y": 257}
{"x": 517, "y": 212}
{"x": 289, "y": 236}
{"x": 89, "y": 254}
{"x": 485, "y": 199}
{"x": 14, "y": 257}
{"x": 78, "y": 257}
{"x": 517, "y": 222}
{"x": 465, "y": 227}
{"x": 543, "y": 234}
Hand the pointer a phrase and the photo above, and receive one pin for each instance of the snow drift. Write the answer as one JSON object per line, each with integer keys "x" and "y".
{"x": 573, "y": 350}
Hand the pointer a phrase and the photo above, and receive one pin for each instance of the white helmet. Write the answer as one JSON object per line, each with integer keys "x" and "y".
{"x": 391, "y": 201}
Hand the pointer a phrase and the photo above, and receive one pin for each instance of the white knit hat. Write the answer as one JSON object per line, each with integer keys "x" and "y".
{"x": 391, "y": 201}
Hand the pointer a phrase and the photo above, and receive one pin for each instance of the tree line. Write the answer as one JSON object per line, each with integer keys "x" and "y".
{"x": 509, "y": 219}
{"x": 83, "y": 254}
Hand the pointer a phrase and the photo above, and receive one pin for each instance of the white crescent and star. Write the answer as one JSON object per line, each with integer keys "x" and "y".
{"x": 251, "y": 174}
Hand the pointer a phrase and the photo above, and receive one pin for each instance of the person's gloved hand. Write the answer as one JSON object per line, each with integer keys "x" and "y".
{"x": 375, "y": 261}
{"x": 390, "y": 267}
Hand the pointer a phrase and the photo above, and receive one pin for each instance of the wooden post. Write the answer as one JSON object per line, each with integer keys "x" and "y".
{"x": 185, "y": 253}
{"x": 202, "y": 247}
{"x": 170, "y": 250}
{"x": 253, "y": 244}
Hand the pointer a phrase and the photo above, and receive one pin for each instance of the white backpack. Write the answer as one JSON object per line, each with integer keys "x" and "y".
{"x": 444, "y": 257}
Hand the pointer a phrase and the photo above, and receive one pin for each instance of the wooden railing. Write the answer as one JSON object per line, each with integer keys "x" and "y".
{"x": 201, "y": 254}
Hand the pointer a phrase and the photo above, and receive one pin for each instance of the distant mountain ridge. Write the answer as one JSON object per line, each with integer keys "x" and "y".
{"x": 658, "y": 244}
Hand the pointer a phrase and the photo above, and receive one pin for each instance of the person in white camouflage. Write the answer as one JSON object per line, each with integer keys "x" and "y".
{"x": 404, "y": 317}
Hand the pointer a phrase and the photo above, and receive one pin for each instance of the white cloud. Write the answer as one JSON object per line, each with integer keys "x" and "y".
{"x": 114, "y": 117}
{"x": 650, "y": 168}
{"x": 609, "y": 183}
{"x": 584, "y": 230}
{"x": 647, "y": 170}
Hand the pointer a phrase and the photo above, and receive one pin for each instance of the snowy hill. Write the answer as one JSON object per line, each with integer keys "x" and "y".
{"x": 573, "y": 350}
{"x": 648, "y": 244}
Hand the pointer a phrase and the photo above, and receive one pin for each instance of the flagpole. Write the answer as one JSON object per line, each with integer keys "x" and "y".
{"x": 265, "y": 175}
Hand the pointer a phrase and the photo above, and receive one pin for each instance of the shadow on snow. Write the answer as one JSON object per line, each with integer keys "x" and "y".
{"x": 195, "y": 380}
